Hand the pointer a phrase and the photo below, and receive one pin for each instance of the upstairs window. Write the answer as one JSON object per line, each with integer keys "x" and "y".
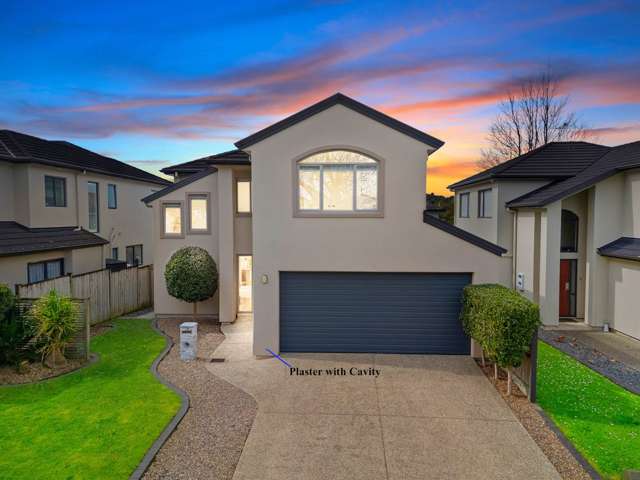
{"x": 112, "y": 196}
{"x": 198, "y": 212}
{"x": 55, "y": 191}
{"x": 243, "y": 196}
{"x": 569, "y": 232}
{"x": 93, "y": 206}
{"x": 484, "y": 203}
{"x": 172, "y": 224}
{"x": 338, "y": 181}
{"x": 463, "y": 208}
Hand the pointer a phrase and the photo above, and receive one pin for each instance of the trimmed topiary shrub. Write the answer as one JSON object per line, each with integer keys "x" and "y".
{"x": 501, "y": 320}
{"x": 191, "y": 275}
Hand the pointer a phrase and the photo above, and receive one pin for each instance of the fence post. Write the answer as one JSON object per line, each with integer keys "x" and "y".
{"x": 533, "y": 379}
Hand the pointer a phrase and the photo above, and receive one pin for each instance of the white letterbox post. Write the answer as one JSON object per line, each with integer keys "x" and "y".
{"x": 188, "y": 341}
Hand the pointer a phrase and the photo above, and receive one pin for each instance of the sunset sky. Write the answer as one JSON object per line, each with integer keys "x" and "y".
{"x": 157, "y": 83}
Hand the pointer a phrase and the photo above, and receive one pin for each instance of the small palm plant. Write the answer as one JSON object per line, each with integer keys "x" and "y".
{"x": 54, "y": 318}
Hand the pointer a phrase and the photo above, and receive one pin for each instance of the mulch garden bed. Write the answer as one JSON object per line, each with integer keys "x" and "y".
{"x": 527, "y": 413}
{"x": 35, "y": 371}
{"x": 209, "y": 440}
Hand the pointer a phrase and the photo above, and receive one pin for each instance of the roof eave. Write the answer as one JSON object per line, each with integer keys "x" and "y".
{"x": 339, "y": 99}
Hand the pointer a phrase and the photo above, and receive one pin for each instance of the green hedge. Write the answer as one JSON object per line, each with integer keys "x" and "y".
{"x": 501, "y": 320}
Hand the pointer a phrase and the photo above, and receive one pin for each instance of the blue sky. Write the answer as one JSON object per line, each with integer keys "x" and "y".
{"x": 157, "y": 83}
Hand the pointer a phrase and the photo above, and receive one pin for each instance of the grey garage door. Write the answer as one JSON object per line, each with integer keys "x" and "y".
{"x": 372, "y": 312}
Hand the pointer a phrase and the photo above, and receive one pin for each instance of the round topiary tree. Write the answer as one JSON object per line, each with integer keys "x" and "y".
{"x": 191, "y": 275}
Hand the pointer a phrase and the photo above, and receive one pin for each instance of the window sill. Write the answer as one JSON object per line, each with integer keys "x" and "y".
{"x": 329, "y": 214}
{"x": 170, "y": 236}
{"x": 243, "y": 214}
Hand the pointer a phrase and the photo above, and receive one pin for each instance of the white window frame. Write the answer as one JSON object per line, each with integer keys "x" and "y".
{"x": 198, "y": 196}
{"x": 319, "y": 212}
{"x": 483, "y": 208}
{"x": 467, "y": 196}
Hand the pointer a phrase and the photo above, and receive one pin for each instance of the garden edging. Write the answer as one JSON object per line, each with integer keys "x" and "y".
{"x": 175, "y": 421}
{"x": 567, "y": 444}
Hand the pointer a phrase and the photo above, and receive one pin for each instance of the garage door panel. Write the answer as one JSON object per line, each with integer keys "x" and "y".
{"x": 372, "y": 312}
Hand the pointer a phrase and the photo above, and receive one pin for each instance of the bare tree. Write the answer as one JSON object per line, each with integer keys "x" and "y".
{"x": 532, "y": 115}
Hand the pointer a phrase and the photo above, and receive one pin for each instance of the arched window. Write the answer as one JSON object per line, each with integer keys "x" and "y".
{"x": 569, "y": 232}
{"x": 338, "y": 181}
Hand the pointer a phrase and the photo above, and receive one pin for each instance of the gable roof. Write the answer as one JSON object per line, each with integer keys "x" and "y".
{"x": 19, "y": 147}
{"x": 627, "y": 248}
{"x": 182, "y": 183}
{"x": 16, "y": 239}
{"x": 232, "y": 157}
{"x": 555, "y": 160}
{"x": 340, "y": 99}
{"x": 616, "y": 159}
{"x": 462, "y": 234}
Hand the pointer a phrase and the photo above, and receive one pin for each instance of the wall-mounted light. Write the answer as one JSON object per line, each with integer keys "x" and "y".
{"x": 264, "y": 279}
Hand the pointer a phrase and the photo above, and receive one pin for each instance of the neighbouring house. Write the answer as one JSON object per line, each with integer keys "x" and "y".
{"x": 568, "y": 214}
{"x": 318, "y": 226}
{"x": 68, "y": 210}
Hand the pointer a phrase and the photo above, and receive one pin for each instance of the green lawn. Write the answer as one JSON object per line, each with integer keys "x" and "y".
{"x": 600, "y": 418}
{"x": 95, "y": 423}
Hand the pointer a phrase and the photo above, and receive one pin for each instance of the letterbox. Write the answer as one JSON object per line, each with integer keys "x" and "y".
{"x": 188, "y": 341}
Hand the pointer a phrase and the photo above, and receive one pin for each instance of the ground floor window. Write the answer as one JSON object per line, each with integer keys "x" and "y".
{"x": 134, "y": 255}
{"x": 245, "y": 303}
{"x": 39, "y": 271}
{"x": 114, "y": 253}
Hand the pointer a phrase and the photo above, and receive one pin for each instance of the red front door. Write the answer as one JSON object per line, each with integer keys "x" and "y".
{"x": 566, "y": 281}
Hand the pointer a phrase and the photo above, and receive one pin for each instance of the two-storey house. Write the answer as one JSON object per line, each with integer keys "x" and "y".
{"x": 65, "y": 209}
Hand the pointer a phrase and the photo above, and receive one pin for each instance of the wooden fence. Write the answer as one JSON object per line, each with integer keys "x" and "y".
{"x": 106, "y": 294}
{"x": 79, "y": 347}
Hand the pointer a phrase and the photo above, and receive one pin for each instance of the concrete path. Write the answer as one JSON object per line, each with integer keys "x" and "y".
{"x": 613, "y": 344}
{"x": 422, "y": 417}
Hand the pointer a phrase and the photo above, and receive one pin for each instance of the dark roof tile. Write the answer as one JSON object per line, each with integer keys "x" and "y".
{"x": 616, "y": 159}
{"x": 232, "y": 157}
{"x": 22, "y": 148}
{"x": 627, "y": 248}
{"x": 555, "y": 160}
{"x": 16, "y": 239}
{"x": 462, "y": 234}
{"x": 182, "y": 183}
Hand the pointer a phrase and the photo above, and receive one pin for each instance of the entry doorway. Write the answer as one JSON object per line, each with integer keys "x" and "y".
{"x": 245, "y": 298}
{"x": 568, "y": 287}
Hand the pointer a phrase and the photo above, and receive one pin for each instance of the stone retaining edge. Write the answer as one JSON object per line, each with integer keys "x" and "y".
{"x": 175, "y": 421}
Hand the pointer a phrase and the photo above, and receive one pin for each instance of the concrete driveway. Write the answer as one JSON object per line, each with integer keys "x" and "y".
{"x": 421, "y": 417}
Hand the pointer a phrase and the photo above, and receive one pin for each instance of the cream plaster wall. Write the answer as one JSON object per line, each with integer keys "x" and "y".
{"x": 13, "y": 270}
{"x": 624, "y": 301}
{"x": 524, "y": 252}
{"x": 605, "y": 224}
{"x": 7, "y": 191}
{"x": 631, "y": 204}
{"x": 486, "y": 228}
{"x": 165, "y": 304}
{"x": 399, "y": 241}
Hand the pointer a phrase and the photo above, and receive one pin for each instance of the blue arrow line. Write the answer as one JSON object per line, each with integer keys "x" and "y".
{"x": 279, "y": 358}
